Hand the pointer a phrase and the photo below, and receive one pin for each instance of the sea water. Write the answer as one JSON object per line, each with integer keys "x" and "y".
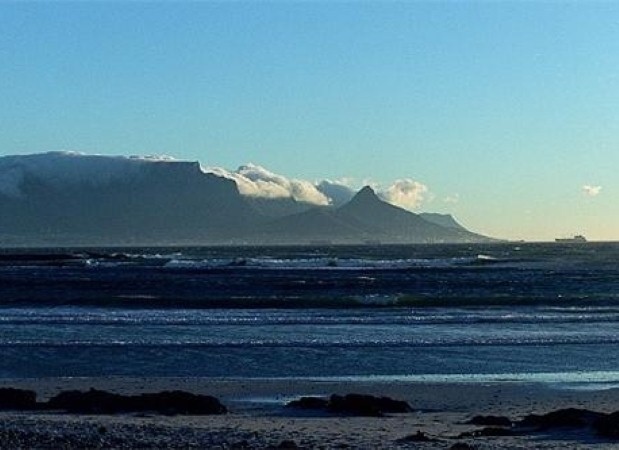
{"x": 546, "y": 312}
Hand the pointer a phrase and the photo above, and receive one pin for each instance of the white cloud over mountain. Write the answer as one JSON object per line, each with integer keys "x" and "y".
{"x": 68, "y": 168}
{"x": 73, "y": 168}
{"x": 338, "y": 191}
{"x": 256, "y": 181}
{"x": 406, "y": 193}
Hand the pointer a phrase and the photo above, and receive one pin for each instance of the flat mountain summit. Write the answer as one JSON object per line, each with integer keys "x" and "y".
{"x": 72, "y": 199}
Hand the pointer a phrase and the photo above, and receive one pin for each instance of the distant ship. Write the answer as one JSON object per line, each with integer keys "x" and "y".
{"x": 572, "y": 240}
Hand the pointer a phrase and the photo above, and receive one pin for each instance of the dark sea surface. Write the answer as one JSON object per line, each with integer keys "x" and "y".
{"x": 432, "y": 312}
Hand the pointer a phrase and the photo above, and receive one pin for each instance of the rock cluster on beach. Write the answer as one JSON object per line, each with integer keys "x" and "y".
{"x": 17, "y": 399}
{"x": 102, "y": 402}
{"x": 179, "y": 419}
{"x": 605, "y": 425}
{"x": 584, "y": 421}
{"x": 354, "y": 404}
{"x": 602, "y": 424}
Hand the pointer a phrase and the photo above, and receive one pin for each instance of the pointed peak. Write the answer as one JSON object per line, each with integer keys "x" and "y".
{"x": 365, "y": 196}
{"x": 366, "y": 191}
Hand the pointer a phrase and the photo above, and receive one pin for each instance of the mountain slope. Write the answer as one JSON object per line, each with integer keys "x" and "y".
{"x": 365, "y": 217}
{"x": 61, "y": 199}
{"x": 316, "y": 224}
{"x": 138, "y": 202}
{"x": 444, "y": 220}
{"x": 393, "y": 224}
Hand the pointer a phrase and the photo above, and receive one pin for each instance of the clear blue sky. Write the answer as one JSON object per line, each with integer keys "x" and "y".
{"x": 512, "y": 107}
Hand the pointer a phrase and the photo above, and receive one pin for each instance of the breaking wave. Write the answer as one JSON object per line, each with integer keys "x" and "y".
{"x": 250, "y": 318}
{"x": 178, "y": 261}
{"x": 331, "y": 263}
{"x": 317, "y": 343}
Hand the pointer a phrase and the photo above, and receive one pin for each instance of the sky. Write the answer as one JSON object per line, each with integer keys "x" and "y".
{"x": 505, "y": 111}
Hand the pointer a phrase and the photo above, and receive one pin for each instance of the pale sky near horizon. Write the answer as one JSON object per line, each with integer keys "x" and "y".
{"x": 506, "y": 111}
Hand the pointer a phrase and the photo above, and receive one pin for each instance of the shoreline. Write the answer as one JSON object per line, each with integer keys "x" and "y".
{"x": 258, "y": 418}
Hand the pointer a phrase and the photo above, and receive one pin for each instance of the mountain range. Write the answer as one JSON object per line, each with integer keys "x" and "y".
{"x": 61, "y": 199}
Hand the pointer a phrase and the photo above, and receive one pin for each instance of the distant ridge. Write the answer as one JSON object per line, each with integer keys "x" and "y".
{"x": 61, "y": 199}
{"x": 393, "y": 224}
{"x": 364, "y": 218}
{"x": 444, "y": 220}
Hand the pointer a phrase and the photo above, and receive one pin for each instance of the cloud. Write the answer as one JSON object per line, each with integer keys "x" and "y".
{"x": 256, "y": 181}
{"x": 591, "y": 191}
{"x": 406, "y": 193}
{"x": 64, "y": 168}
{"x": 72, "y": 168}
{"x": 338, "y": 191}
{"x": 452, "y": 199}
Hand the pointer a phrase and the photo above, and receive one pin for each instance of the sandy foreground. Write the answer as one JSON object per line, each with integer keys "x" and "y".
{"x": 258, "y": 419}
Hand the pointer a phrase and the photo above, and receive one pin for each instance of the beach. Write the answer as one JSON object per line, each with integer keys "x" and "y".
{"x": 258, "y": 418}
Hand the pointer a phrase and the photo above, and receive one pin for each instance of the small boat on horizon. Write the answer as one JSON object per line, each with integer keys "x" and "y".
{"x": 579, "y": 238}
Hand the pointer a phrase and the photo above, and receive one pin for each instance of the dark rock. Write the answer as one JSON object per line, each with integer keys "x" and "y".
{"x": 356, "y": 404}
{"x": 93, "y": 401}
{"x": 568, "y": 418}
{"x": 366, "y": 405}
{"x": 168, "y": 402}
{"x": 419, "y": 436}
{"x": 491, "y": 421}
{"x": 17, "y": 399}
{"x": 179, "y": 402}
{"x": 309, "y": 403}
{"x": 608, "y": 425}
{"x": 288, "y": 444}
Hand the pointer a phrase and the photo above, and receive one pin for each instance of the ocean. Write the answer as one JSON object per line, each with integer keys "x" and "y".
{"x": 509, "y": 311}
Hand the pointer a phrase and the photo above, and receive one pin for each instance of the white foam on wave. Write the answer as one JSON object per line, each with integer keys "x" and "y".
{"x": 234, "y": 317}
{"x": 307, "y": 342}
{"x": 321, "y": 263}
{"x": 575, "y": 380}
